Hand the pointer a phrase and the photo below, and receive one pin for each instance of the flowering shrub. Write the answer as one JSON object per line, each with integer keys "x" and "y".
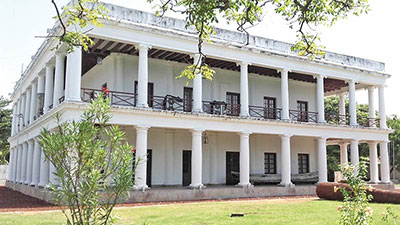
{"x": 355, "y": 209}
{"x": 390, "y": 214}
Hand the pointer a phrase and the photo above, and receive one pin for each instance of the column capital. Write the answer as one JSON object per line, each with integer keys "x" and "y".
{"x": 319, "y": 76}
{"x": 245, "y": 133}
{"x": 243, "y": 63}
{"x": 371, "y": 88}
{"x": 49, "y": 65}
{"x": 143, "y": 46}
{"x": 197, "y": 131}
{"x": 343, "y": 144}
{"x": 322, "y": 138}
{"x": 351, "y": 81}
{"x": 355, "y": 140}
{"x": 384, "y": 142}
{"x": 285, "y": 135}
{"x": 60, "y": 53}
{"x": 142, "y": 128}
{"x": 283, "y": 70}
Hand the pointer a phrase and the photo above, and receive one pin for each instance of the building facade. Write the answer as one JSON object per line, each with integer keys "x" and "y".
{"x": 263, "y": 113}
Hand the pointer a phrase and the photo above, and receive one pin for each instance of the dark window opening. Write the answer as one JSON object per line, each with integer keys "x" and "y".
{"x": 270, "y": 163}
{"x": 304, "y": 163}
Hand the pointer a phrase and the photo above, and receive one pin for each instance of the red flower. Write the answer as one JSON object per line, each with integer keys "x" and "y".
{"x": 133, "y": 150}
{"x": 104, "y": 88}
{"x": 106, "y": 91}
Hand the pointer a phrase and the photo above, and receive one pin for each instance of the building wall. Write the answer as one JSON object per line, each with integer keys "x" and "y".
{"x": 225, "y": 142}
{"x": 163, "y": 74}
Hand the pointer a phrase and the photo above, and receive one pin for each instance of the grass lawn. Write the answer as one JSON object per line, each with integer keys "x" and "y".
{"x": 274, "y": 211}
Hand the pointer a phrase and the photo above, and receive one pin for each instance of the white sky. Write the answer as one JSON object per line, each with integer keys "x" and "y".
{"x": 373, "y": 36}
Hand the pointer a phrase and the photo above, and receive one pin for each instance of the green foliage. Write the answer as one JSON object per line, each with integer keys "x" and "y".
{"x": 393, "y": 122}
{"x": 5, "y": 129}
{"x": 93, "y": 164}
{"x": 355, "y": 209}
{"x": 74, "y": 18}
{"x": 390, "y": 214}
{"x": 193, "y": 70}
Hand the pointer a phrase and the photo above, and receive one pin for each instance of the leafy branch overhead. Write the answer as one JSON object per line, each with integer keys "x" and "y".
{"x": 305, "y": 16}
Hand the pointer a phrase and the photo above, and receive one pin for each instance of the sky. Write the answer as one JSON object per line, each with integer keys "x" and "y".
{"x": 372, "y": 36}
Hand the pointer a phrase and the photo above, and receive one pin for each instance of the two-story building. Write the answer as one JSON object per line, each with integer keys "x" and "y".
{"x": 263, "y": 113}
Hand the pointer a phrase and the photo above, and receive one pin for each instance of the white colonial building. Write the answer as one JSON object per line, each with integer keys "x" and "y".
{"x": 263, "y": 113}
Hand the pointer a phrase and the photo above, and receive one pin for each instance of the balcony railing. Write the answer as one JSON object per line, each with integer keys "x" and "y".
{"x": 303, "y": 116}
{"x": 175, "y": 103}
{"x": 337, "y": 119}
{"x": 265, "y": 113}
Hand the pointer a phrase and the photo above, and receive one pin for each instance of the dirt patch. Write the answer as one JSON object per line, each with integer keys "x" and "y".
{"x": 11, "y": 201}
{"x": 14, "y": 201}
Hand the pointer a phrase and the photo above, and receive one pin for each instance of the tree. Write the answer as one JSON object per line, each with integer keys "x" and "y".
{"x": 303, "y": 15}
{"x": 5, "y": 129}
{"x": 393, "y": 122}
{"x": 93, "y": 164}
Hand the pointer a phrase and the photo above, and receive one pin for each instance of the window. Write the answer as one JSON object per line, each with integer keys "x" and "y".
{"x": 269, "y": 108}
{"x": 150, "y": 93}
{"x": 269, "y": 163}
{"x": 302, "y": 108}
{"x": 187, "y": 99}
{"x": 233, "y": 104}
{"x": 304, "y": 163}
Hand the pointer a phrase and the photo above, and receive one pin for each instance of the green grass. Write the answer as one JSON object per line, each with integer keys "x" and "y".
{"x": 294, "y": 211}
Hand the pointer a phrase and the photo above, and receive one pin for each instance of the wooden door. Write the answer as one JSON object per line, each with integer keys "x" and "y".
{"x": 232, "y": 165}
{"x": 186, "y": 168}
{"x": 269, "y": 108}
{"x": 187, "y": 99}
{"x": 302, "y": 108}
{"x": 233, "y": 104}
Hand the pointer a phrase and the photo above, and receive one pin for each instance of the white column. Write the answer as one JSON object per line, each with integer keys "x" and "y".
{"x": 10, "y": 165}
{"x": 285, "y": 94}
{"x": 342, "y": 107}
{"x": 320, "y": 99}
{"x": 285, "y": 161}
{"x": 141, "y": 158}
{"x": 40, "y": 92}
{"x": 14, "y": 120}
{"x": 27, "y": 106}
{"x": 197, "y": 159}
{"x": 18, "y": 122}
{"x": 244, "y": 160}
{"x": 44, "y": 170}
{"x": 52, "y": 175}
{"x": 373, "y": 166}
{"x": 213, "y": 157}
{"x": 322, "y": 161}
{"x": 73, "y": 75}
{"x": 354, "y": 155}
{"x": 119, "y": 76}
{"x": 343, "y": 153}
{"x": 385, "y": 167}
{"x": 33, "y": 113}
{"x": 371, "y": 104}
{"x": 143, "y": 76}
{"x": 197, "y": 86}
{"x": 382, "y": 110}
{"x": 36, "y": 164}
{"x": 352, "y": 103}
{"x": 29, "y": 162}
{"x": 49, "y": 88}
{"x": 24, "y": 160}
{"x": 15, "y": 164}
{"x": 19, "y": 163}
{"x": 169, "y": 157}
{"x": 22, "y": 112}
{"x": 244, "y": 89}
{"x": 59, "y": 78}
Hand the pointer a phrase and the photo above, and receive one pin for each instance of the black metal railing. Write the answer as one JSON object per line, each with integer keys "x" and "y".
{"x": 61, "y": 100}
{"x": 368, "y": 122}
{"x": 265, "y": 113}
{"x": 175, "y": 103}
{"x": 337, "y": 119}
{"x": 303, "y": 116}
{"x": 168, "y": 102}
{"x": 215, "y": 107}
